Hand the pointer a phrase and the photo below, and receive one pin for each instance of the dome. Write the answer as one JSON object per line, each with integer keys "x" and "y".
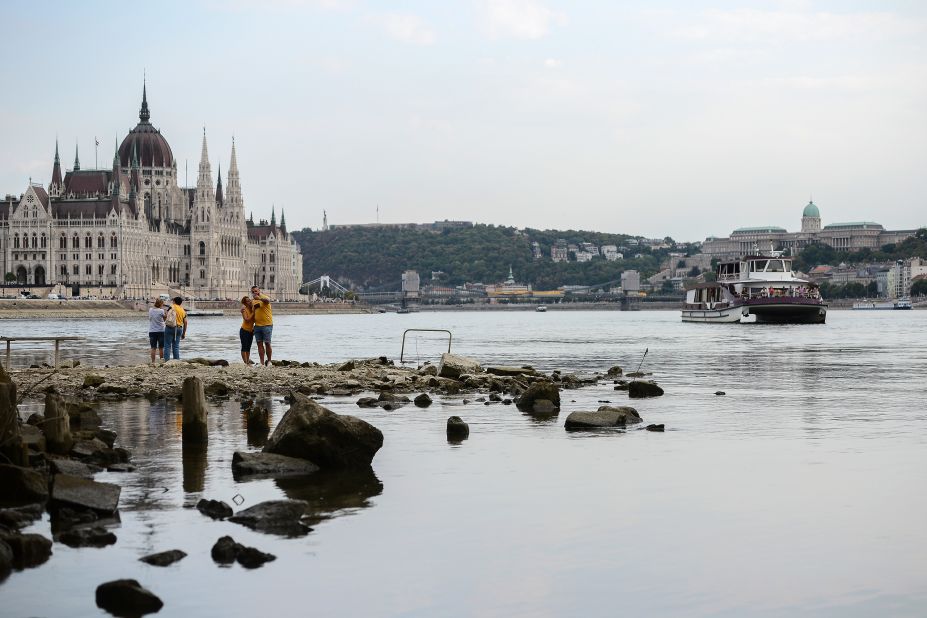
{"x": 810, "y": 210}
{"x": 150, "y": 146}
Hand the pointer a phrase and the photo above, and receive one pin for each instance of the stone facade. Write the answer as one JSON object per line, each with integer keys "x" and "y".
{"x": 841, "y": 236}
{"x": 132, "y": 232}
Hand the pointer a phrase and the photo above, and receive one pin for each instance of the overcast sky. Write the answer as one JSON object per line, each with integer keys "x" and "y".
{"x": 643, "y": 117}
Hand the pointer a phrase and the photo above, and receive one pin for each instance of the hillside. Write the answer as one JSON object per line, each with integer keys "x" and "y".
{"x": 374, "y": 258}
{"x": 818, "y": 254}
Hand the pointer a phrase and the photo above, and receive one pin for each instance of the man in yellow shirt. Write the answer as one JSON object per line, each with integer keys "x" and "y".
{"x": 263, "y": 323}
{"x": 175, "y": 329}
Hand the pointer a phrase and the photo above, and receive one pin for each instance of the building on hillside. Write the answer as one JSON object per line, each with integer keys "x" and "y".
{"x": 611, "y": 253}
{"x": 131, "y": 231}
{"x": 536, "y": 250}
{"x": 841, "y": 236}
{"x": 558, "y": 251}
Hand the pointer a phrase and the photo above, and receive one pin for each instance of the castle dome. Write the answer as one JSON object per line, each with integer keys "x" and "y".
{"x": 151, "y": 147}
{"x": 811, "y": 210}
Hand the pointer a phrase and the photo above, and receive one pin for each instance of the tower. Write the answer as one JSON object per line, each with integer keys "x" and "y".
{"x": 76, "y": 158}
{"x": 219, "y": 199}
{"x": 811, "y": 219}
{"x": 54, "y": 189}
{"x": 202, "y": 227}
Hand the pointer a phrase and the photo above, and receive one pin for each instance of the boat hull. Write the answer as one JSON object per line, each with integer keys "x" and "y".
{"x": 788, "y": 313}
{"x": 729, "y": 315}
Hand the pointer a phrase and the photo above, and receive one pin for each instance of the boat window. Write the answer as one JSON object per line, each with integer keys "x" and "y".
{"x": 788, "y": 265}
{"x": 758, "y": 266}
{"x": 775, "y": 266}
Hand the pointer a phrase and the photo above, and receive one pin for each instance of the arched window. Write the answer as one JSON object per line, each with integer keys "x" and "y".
{"x": 44, "y": 241}
{"x": 75, "y": 243}
{"x": 16, "y": 241}
{"x": 64, "y": 270}
{"x": 272, "y": 260}
{"x": 112, "y": 241}
{"x": 76, "y": 270}
{"x": 89, "y": 269}
{"x": 63, "y": 242}
{"x": 88, "y": 243}
{"x": 101, "y": 242}
{"x": 202, "y": 248}
{"x": 35, "y": 241}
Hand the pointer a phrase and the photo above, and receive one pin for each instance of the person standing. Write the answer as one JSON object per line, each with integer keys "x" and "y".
{"x": 246, "y": 332}
{"x": 263, "y": 323}
{"x": 156, "y": 329}
{"x": 175, "y": 329}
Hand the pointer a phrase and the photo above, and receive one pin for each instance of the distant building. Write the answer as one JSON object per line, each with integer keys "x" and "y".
{"x": 558, "y": 252}
{"x": 536, "y": 250}
{"x": 611, "y": 253}
{"x": 582, "y": 256}
{"x": 630, "y": 281}
{"x": 410, "y": 284}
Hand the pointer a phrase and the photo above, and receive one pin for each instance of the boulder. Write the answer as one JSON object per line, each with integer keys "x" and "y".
{"x": 252, "y": 558}
{"x": 605, "y": 416}
{"x": 457, "y": 429}
{"x": 544, "y": 406}
{"x": 75, "y": 491}
{"x": 106, "y": 436}
{"x": 20, "y": 517}
{"x": 95, "y": 536}
{"x": 329, "y": 440}
{"x": 270, "y": 465}
{"x": 422, "y": 401}
{"x": 227, "y": 550}
{"x": 615, "y": 370}
{"x": 216, "y": 509}
{"x": 283, "y": 517}
{"x": 126, "y": 597}
{"x": 164, "y": 558}
{"x": 539, "y": 390}
{"x": 639, "y": 389}
{"x": 428, "y": 370}
{"x": 453, "y": 366}
{"x": 511, "y": 371}
{"x": 368, "y": 402}
{"x": 92, "y": 380}
{"x": 658, "y": 428}
{"x": 217, "y": 389}
{"x": 29, "y": 550}
{"x": 6, "y": 560}
{"x": 20, "y": 486}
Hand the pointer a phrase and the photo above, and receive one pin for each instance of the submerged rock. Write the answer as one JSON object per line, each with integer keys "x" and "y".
{"x": 97, "y": 536}
{"x": 227, "y": 550}
{"x": 216, "y": 509}
{"x": 615, "y": 370}
{"x": 720, "y": 393}
{"x": 164, "y": 558}
{"x": 83, "y": 493}
{"x": 127, "y": 597}
{"x": 422, "y": 401}
{"x": 654, "y": 427}
{"x": 29, "y": 550}
{"x": 457, "y": 429}
{"x": 605, "y": 416}
{"x": 329, "y": 440}
{"x": 283, "y": 517}
{"x": 270, "y": 465}
{"x": 542, "y": 390}
{"x": 639, "y": 389}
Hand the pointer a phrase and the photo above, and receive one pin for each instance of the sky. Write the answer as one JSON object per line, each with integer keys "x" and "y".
{"x": 653, "y": 118}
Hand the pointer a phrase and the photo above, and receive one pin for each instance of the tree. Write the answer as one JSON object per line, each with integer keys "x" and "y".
{"x": 9, "y": 277}
{"x": 667, "y": 287}
{"x": 695, "y": 272}
{"x": 919, "y": 288}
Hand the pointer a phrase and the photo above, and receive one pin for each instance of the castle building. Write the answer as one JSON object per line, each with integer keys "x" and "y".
{"x": 842, "y": 236}
{"x": 131, "y": 231}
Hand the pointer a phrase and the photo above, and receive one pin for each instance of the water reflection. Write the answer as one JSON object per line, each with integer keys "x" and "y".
{"x": 332, "y": 493}
{"x": 194, "y": 466}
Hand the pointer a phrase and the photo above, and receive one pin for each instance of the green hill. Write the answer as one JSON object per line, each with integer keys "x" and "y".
{"x": 373, "y": 258}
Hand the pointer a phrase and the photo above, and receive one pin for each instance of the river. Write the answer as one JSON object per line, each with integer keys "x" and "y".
{"x": 798, "y": 493}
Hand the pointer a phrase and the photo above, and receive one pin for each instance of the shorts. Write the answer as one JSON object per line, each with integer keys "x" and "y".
{"x": 262, "y": 333}
{"x": 246, "y": 337}
{"x": 156, "y": 340}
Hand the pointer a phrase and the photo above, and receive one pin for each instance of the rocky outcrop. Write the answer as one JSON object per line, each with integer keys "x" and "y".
{"x": 453, "y": 366}
{"x": 270, "y": 465}
{"x": 282, "y": 517}
{"x": 457, "y": 429}
{"x": 639, "y": 389}
{"x": 605, "y": 416}
{"x": 82, "y": 493}
{"x": 329, "y": 440}
{"x": 20, "y": 486}
{"x": 215, "y": 509}
{"x": 127, "y": 597}
{"x": 164, "y": 558}
{"x": 541, "y": 397}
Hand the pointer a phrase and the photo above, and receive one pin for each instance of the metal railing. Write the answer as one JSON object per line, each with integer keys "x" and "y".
{"x": 423, "y": 330}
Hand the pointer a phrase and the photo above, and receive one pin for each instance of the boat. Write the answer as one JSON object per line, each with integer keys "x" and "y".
{"x": 756, "y": 289}
{"x": 540, "y": 308}
{"x": 900, "y": 303}
{"x": 191, "y": 310}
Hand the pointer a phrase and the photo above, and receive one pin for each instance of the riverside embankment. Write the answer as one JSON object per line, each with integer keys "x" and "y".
{"x": 12, "y": 309}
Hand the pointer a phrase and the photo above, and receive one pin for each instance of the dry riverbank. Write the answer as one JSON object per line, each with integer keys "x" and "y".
{"x": 19, "y": 309}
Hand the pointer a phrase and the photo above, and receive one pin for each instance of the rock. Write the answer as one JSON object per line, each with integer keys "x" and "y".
{"x": 544, "y": 406}
{"x": 283, "y": 517}
{"x": 96, "y": 536}
{"x": 20, "y": 517}
{"x": 422, "y": 401}
{"x": 216, "y": 509}
{"x": 20, "y": 486}
{"x": 126, "y": 597}
{"x": 348, "y": 366}
{"x": 428, "y": 370}
{"x": 194, "y": 411}
{"x": 605, "y": 416}
{"x": 511, "y": 372}
{"x": 66, "y": 517}
{"x": 614, "y": 371}
{"x": 120, "y": 467}
{"x": 112, "y": 389}
{"x": 393, "y": 398}
{"x": 105, "y": 436}
{"x": 457, "y": 429}
{"x": 164, "y": 558}
{"x": 6, "y": 560}
{"x": 35, "y": 419}
{"x": 507, "y": 402}
{"x": 495, "y": 397}
{"x": 33, "y": 438}
{"x": 539, "y": 390}
{"x": 270, "y": 465}
{"x": 636, "y": 374}
{"x": 720, "y": 393}
{"x": 639, "y": 389}
{"x": 252, "y": 558}
{"x": 225, "y": 550}
{"x": 93, "y": 380}
{"x": 70, "y": 490}
{"x": 368, "y": 402}
{"x": 217, "y": 389}
{"x": 83, "y": 416}
{"x": 453, "y": 366}
{"x": 622, "y": 385}
{"x": 29, "y": 550}
{"x": 329, "y": 440}
{"x": 654, "y": 427}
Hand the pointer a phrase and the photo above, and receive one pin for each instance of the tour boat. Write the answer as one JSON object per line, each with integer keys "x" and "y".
{"x": 901, "y": 303}
{"x": 540, "y": 309}
{"x": 755, "y": 289}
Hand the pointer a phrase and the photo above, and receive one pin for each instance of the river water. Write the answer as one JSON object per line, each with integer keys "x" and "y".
{"x": 798, "y": 493}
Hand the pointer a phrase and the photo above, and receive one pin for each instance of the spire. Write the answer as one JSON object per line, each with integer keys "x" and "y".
{"x": 219, "y": 198}
{"x": 205, "y": 195}
{"x": 76, "y": 158}
{"x": 134, "y": 156}
{"x": 55, "y": 187}
{"x": 116, "y": 176}
{"x": 273, "y": 217}
{"x": 233, "y": 194}
{"x": 143, "y": 113}
{"x": 282, "y": 218}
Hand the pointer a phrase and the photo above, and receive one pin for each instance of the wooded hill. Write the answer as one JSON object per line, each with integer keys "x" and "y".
{"x": 372, "y": 258}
